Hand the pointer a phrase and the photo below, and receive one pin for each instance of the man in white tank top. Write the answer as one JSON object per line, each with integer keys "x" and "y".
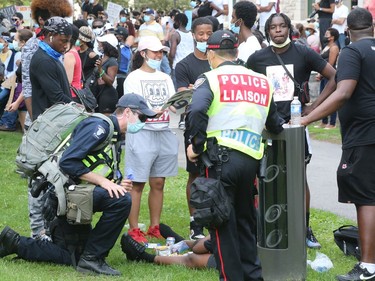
{"x": 181, "y": 43}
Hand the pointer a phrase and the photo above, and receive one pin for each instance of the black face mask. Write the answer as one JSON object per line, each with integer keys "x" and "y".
{"x": 325, "y": 40}
{"x": 136, "y": 26}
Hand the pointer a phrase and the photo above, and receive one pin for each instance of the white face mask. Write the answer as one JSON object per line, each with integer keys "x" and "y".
{"x": 98, "y": 31}
{"x": 282, "y": 45}
{"x": 16, "y": 46}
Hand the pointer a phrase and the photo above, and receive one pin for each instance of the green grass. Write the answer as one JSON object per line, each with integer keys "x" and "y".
{"x": 13, "y": 212}
{"x": 332, "y": 135}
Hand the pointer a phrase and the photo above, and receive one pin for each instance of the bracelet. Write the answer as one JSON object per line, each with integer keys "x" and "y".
{"x": 102, "y": 73}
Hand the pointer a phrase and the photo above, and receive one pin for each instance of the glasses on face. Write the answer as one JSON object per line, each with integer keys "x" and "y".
{"x": 97, "y": 27}
{"x": 15, "y": 19}
{"x": 141, "y": 116}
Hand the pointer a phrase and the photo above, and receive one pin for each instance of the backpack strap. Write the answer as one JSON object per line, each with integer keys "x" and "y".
{"x": 112, "y": 140}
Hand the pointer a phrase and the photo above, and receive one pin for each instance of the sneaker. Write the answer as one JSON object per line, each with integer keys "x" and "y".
{"x": 196, "y": 231}
{"x": 138, "y": 235}
{"x": 358, "y": 273}
{"x": 311, "y": 241}
{"x": 132, "y": 249}
{"x": 7, "y": 129}
{"x": 181, "y": 125}
{"x": 154, "y": 232}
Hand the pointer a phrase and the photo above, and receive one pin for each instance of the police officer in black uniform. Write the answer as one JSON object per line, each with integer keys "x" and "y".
{"x": 229, "y": 109}
{"x": 110, "y": 198}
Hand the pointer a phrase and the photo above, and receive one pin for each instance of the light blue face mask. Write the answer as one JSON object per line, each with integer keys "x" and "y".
{"x": 10, "y": 46}
{"x": 1, "y": 46}
{"x": 154, "y": 64}
{"x": 234, "y": 28}
{"x": 135, "y": 127}
{"x": 307, "y": 33}
{"x": 89, "y": 22}
{"x": 123, "y": 19}
{"x": 193, "y": 4}
{"x": 146, "y": 18}
{"x": 202, "y": 46}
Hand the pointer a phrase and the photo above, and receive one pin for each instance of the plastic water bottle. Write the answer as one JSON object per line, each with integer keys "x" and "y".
{"x": 295, "y": 112}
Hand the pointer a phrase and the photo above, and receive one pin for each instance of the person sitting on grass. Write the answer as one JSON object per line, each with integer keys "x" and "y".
{"x": 201, "y": 256}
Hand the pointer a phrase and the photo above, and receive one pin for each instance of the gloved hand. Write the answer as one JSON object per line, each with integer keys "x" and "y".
{"x": 49, "y": 209}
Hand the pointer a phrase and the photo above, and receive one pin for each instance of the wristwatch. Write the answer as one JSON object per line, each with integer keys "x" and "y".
{"x": 320, "y": 9}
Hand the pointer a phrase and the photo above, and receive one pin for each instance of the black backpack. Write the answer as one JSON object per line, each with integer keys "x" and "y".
{"x": 211, "y": 202}
{"x": 346, "y": 238}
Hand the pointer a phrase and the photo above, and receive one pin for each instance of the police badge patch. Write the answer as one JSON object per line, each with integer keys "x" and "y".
{"x": 99, "y": 131}
{"x": 199, "y": 82}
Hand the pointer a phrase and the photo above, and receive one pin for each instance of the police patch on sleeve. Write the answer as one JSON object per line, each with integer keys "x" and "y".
{"x": 99, "y": 132}
{"x": 199, "y": 82}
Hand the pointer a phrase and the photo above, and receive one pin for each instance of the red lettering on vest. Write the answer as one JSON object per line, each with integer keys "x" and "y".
{"x": 244, "y": 88}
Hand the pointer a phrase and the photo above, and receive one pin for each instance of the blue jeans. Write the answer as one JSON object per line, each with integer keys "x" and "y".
{"x": 165, "y": 67}
{"x": 9, "y": 119}
{"x": 333, "y": 116}
{"x": 341, "y": 40}
{"x": 4, "y": 95}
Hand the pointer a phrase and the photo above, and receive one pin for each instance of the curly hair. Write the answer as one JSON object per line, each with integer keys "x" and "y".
{"x": 50, "y": 8}
{"x": 109, "y": 50}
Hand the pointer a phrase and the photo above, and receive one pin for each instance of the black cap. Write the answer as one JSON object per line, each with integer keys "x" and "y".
{"x": 222, "y": 39}
{"x": 135, "y": 101}
{"x": 121, "y": 31}
{"x": 18, "y": 15}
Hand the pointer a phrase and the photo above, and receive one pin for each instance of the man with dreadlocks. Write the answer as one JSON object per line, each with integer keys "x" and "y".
{"x": 300, "y": 61}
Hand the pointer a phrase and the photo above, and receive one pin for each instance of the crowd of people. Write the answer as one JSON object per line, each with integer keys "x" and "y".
{"x": 132, "y": 66}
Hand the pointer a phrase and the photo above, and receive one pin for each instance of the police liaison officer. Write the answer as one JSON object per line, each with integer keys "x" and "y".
{"x": 231, "y": 105}
{"x": 110, "y": 198}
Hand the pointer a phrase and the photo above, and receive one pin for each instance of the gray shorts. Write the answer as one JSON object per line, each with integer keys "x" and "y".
{"x": 151, "y": 154}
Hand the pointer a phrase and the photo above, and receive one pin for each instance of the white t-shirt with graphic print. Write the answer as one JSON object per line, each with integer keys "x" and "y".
{"x": 156, "y": 88}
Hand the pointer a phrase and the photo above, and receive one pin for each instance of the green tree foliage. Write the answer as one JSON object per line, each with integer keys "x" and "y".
{"x": 165, "y": 5}
{"x": 7, "y": 3}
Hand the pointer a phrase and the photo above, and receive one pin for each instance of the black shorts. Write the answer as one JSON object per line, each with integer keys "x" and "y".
{"x": 211, "y": 263}
{"x": 190, "y": 166}
{"x": 356, "y": 177}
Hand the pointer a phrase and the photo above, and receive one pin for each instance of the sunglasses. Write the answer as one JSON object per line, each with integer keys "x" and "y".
{"x": 97, "y": 27}
{"x": 141, "y": 116}
{"x": 15, "y": 19}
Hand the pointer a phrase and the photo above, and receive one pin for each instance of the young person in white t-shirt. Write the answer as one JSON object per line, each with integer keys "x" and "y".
{"x": 265, "y": 9}
{"x": 339, "y": 21}
{"x": 151, "y": 154}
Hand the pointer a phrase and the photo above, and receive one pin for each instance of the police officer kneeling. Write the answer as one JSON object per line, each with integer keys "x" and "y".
{"x": 230, "y": 107}
{"x": 90, "y": 246}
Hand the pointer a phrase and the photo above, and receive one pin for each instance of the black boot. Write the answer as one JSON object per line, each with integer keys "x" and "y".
{"x": 132, "y": 248}
{"x": 90, "y": 264}
{"x": 9, "y": 241}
